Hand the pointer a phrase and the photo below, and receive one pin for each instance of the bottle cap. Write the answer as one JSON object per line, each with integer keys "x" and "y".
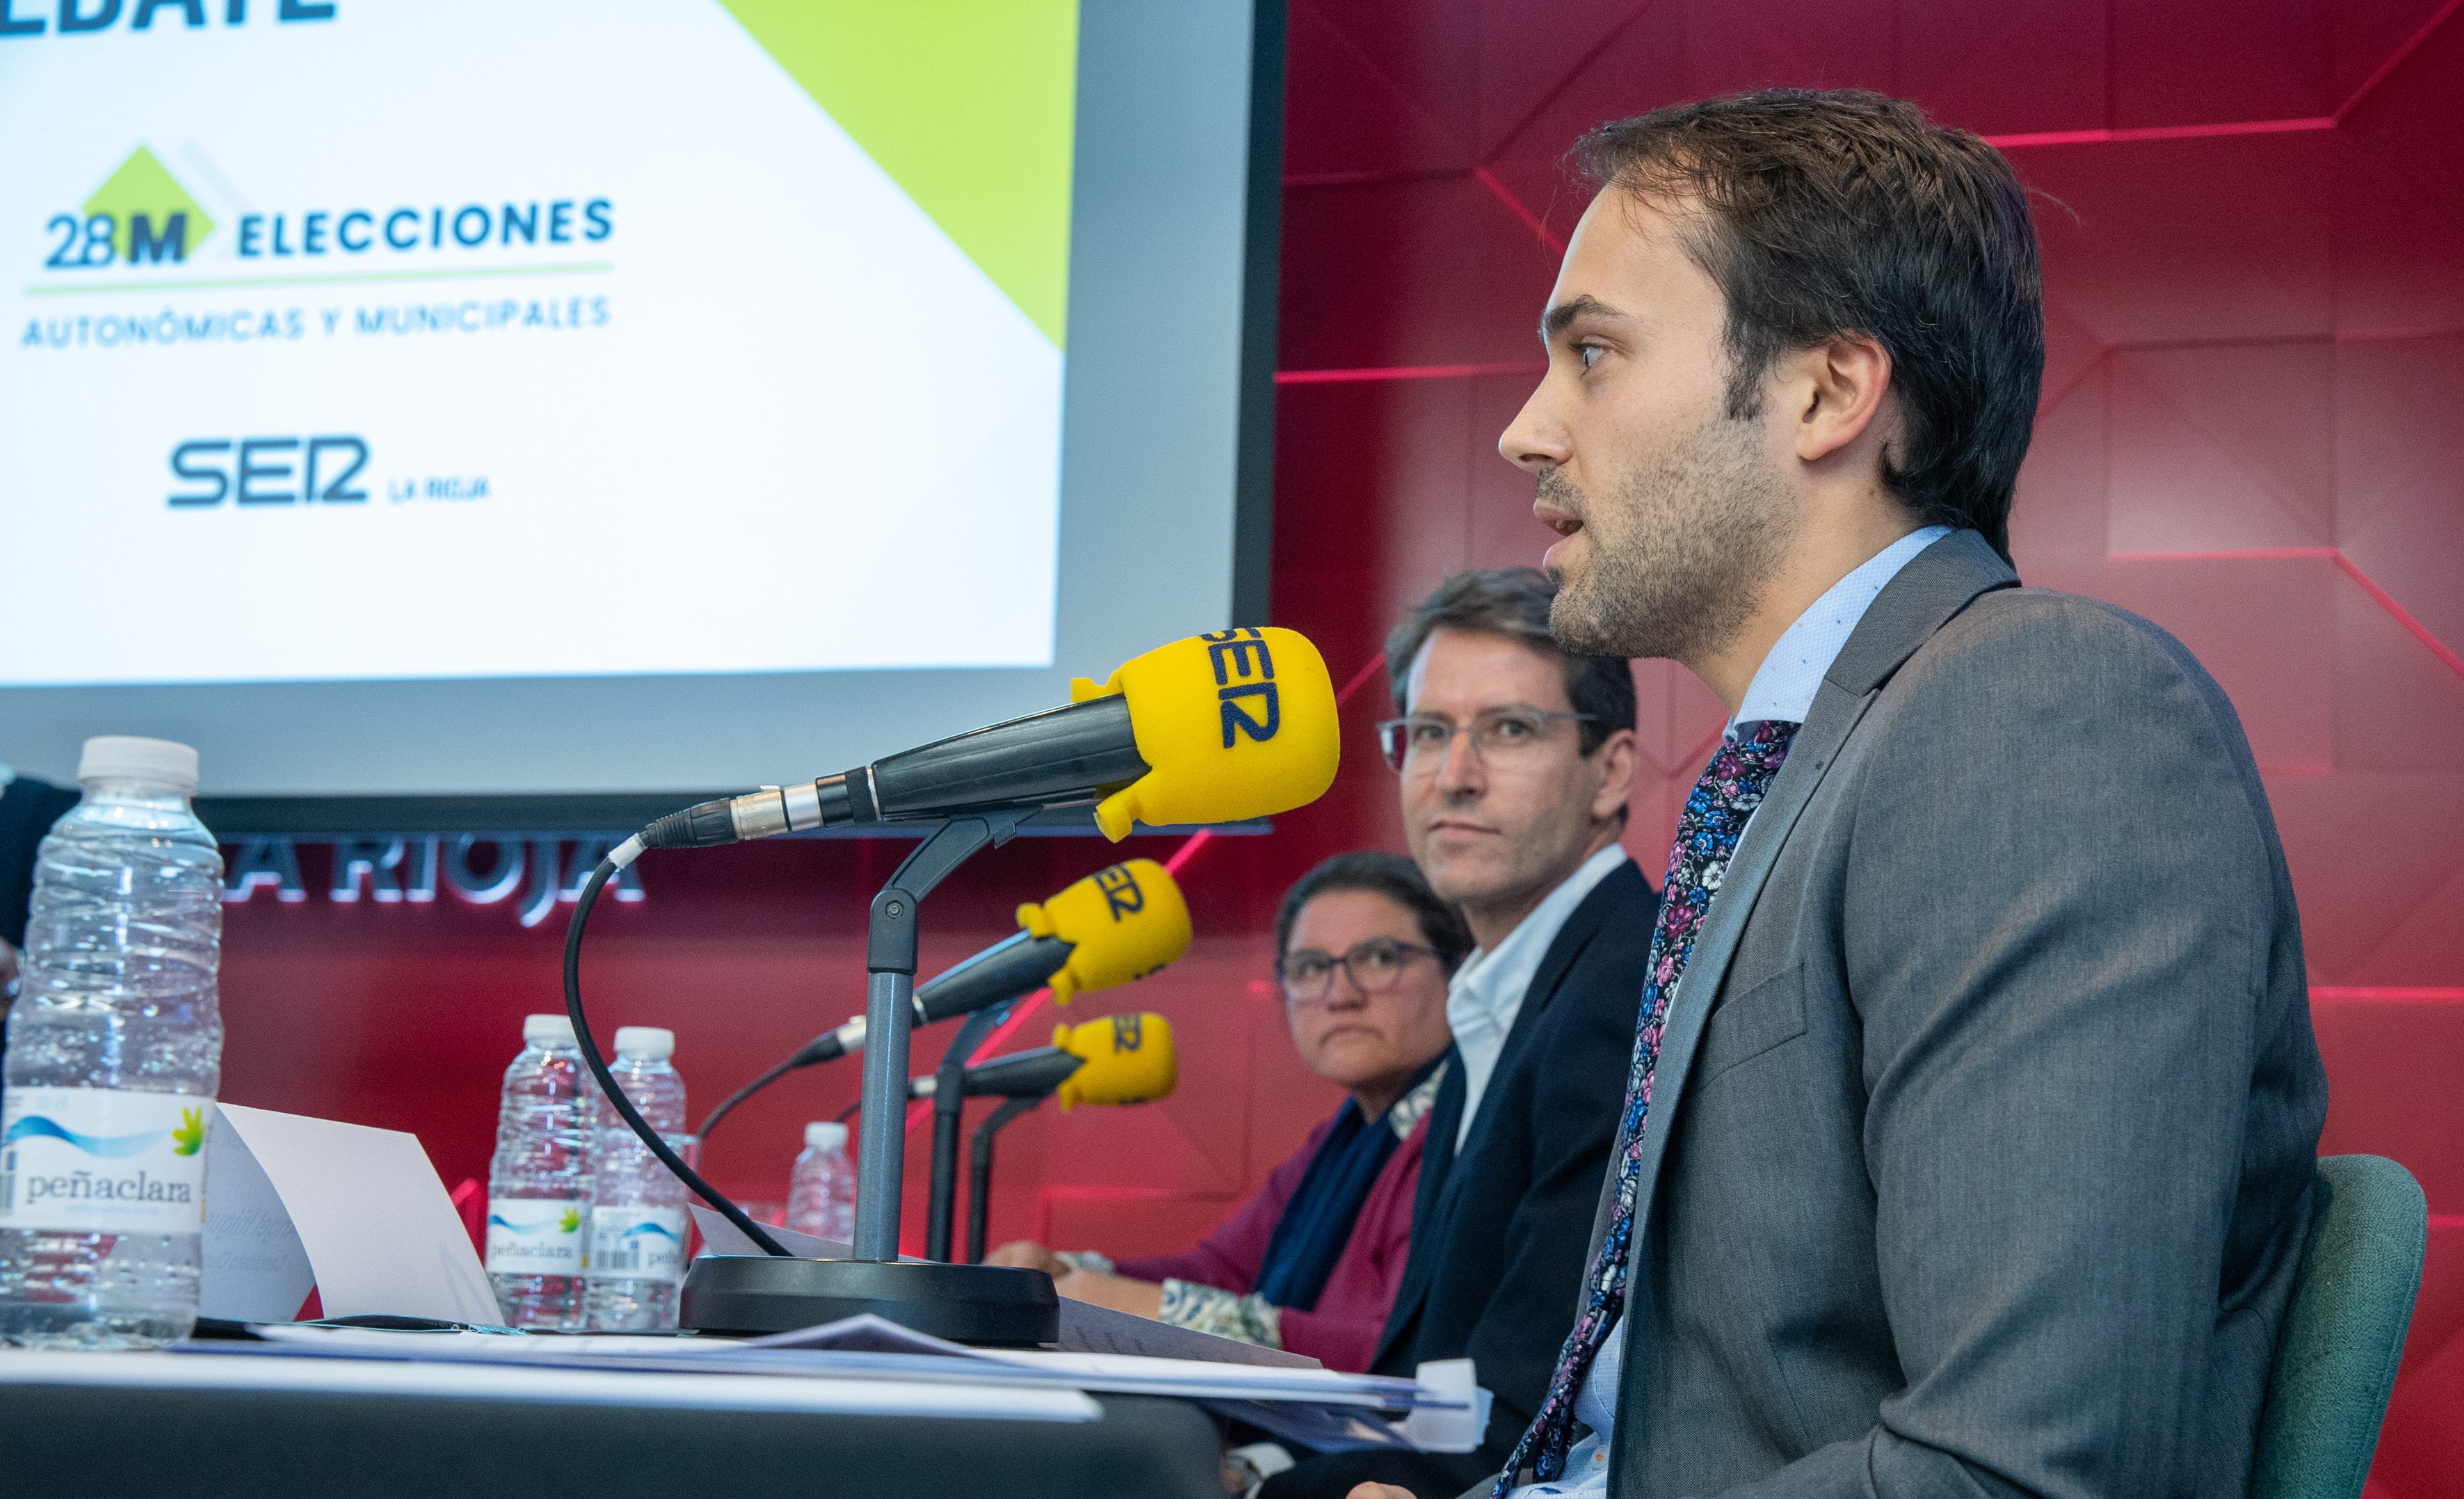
{"x": 650, "y": 1043}
{"x": 124, "y": 756}
{"x": 548, "y": 1030}
{"x": 828, "y": 1135}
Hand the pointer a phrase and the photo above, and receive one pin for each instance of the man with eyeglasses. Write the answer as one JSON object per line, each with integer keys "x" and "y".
{"x": 1514, "y": 761}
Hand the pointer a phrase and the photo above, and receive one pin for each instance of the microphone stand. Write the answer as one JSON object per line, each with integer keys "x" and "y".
{"x": 964, "y": 1302}
{"x": 980, "y": 1170}
{"x": 949, "y": 1102}
{"x": 890, "y": 1012}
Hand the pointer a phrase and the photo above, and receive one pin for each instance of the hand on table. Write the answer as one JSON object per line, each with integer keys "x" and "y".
{"x": 1025, "y": 1254}
{"x": 1138, "y": 1297}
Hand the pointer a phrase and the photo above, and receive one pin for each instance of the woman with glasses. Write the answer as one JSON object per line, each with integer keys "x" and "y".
{"x": 1310, "y": 1263}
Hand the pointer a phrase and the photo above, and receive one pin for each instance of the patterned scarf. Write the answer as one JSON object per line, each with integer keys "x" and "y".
{"x": 1715, "y": 814}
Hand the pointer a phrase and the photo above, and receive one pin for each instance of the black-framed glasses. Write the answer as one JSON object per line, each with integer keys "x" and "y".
{"x": 1497, "y": 734}
{"x": 1374, "y": 966}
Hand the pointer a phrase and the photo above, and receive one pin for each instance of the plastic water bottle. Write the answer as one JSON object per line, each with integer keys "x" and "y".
{"x": 821, "y": 1194}
{"x": 539, "y": 1184}
{"x": 115, "y": 1053}
{"x": 637, "y": 1213}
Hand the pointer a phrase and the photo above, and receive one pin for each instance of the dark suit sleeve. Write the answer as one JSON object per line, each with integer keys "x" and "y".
{"x": 1569, "y": 1101}
{"x": 2060, "y": 904}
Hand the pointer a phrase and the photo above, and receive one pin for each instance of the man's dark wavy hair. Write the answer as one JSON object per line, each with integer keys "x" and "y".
{"x": 1850, "y": 212}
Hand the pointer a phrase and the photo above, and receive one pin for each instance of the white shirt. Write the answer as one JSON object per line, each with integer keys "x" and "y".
{"x": 1487, "y": 992}
{"x": 1783, "y": 689}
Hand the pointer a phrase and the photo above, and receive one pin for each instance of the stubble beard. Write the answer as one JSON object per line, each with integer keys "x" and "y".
{"x": 1682, "y": 548}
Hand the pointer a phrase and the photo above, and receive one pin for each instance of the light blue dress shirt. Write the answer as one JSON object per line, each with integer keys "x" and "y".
{"x": 1485, "y": 994}
{"x": 1783, "y": 689}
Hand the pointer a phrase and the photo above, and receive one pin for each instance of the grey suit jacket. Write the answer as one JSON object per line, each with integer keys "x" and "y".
{"x": 1985, "y": 1120}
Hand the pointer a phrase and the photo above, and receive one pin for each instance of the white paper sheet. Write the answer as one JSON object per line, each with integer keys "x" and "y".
{"x": 254, "y": 1268}
{"x": 1125, "y": 1373}
{"x": 858, "y": 1344}
{"x": 1317, "y": 1407}
{"x": 1090, "y": 1328}
{"x": 1450, "y": 1429}
{"x": 231, "y": 1370}
{"x": 376, "y": 1224}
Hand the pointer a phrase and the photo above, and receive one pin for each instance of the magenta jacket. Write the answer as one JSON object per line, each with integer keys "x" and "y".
{"x": 1342, "y": 1332}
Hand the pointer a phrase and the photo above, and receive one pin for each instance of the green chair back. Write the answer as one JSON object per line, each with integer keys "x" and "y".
{"x": 2336, "y": 1355}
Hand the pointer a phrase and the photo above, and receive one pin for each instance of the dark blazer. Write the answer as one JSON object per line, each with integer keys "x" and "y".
{"x": 1498, "y": 1229}
{"x": 1985, "y": 1120}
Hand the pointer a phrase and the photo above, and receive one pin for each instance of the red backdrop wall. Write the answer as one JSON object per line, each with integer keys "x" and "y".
{"x": 2254, "y": 227}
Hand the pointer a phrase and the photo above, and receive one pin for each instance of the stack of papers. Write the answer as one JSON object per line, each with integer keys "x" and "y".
{"x": 245, "y": 1366}
{"x": 1319, "y": 1407}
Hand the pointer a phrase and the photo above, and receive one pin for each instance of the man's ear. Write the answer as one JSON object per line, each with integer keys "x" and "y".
{"x": 1837, "y": 392}
{"x": 1617, "y": 759}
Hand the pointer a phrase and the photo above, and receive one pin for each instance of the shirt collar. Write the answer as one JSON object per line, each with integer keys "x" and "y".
{"x": 1485, "y": 995}
{"x": 1408, "y": 1109}
{"x": 1784, "y": 685}
{"x": 1496, "y": 979}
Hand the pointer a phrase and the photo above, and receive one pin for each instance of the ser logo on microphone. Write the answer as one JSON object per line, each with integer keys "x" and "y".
{"x": 1238, "y": 657}
{"x": 1121, "y": 893}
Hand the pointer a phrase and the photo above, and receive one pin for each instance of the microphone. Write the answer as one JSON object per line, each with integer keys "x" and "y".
{"x": 1022, "y": 1074}
{"x": 1215, "y": 728}
{"x": 1127, "y": 1059}
{"x": 1116, "y": 925}
{"x": 1123, "y": 1059}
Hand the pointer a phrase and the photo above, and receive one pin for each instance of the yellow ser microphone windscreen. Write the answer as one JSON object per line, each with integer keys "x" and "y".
{"x": 1232, "y": 725}
{"x": 1122, "y": 923}
{"x": 1128, "y": 1060}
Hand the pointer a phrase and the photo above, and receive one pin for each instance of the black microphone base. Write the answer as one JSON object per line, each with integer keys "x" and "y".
{"x": 755, "y": 1294}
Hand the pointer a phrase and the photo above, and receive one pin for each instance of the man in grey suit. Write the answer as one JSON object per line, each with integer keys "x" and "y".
{"x": 1970, "y": 1130}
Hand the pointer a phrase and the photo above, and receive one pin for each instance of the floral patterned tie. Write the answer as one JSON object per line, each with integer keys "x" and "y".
{"x": 1715, "y": 814}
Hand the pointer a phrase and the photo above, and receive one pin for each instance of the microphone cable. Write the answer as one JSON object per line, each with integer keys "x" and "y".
{"x": 709, "y": 1121}
{"x": 804, "y": 1058}
{"x": 623, "y": 854}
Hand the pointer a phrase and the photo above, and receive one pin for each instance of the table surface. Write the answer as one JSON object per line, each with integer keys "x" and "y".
{"x": 278, "y": 1442}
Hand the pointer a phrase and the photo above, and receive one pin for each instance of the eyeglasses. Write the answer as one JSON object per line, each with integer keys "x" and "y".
{"x": 1374, "y": 966}
{"x": 1418, "y": 745}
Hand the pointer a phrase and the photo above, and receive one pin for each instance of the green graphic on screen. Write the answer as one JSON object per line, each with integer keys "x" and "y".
{"x": 153, "y": 217}
{"x": 967, "y": 104}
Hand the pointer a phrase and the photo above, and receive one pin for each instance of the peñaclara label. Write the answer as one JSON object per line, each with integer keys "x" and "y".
{"x": 535, "y": 1235}
{"x": 102, "y": 1160}
{"x": 638, "y": 1243}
